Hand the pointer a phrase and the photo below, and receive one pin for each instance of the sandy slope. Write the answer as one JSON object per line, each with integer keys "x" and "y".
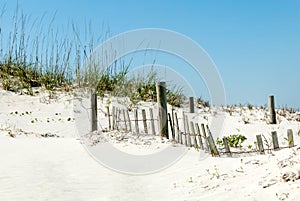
{"x": 58, "y": 168}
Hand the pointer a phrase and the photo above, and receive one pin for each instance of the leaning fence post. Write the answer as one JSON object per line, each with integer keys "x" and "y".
{"x": 152, "y": 121}
{"x": 94, "y": 112}
{"x": 162, "y": 109}
{"x": 272, "y": 110}
{"x": 275, "y": 140}
{"x": 144, "y": 120}
{"x": 213, "y": 148}
{"x": 204, "y": 136}
{"x": 290, "y": 137}
{"x": 199, "y": 136}
{"x": 260, "y": 144}
{"x": 192, "y": 107}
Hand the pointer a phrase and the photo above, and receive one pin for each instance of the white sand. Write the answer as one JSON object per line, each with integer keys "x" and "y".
{"x": 59, "y": 168}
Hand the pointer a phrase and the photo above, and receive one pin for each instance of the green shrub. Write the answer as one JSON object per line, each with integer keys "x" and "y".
{"x": 233, "y": 140}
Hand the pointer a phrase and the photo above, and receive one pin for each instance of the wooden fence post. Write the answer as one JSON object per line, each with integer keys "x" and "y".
{"x": 152, "y": 121}
{"x": 192, "y": 107}
{"x": 94, "y": 122}
{"x": 136, "y": 121}
{"x": 162, "y": 109}
{"x": 260, "y": 144}
{"x": 144, "y": 120}
{"x": 275, "y": 140}
{"x": 290, "y": 137}
{"x": 272, "y": 110}
{"x": 199, "y": 136}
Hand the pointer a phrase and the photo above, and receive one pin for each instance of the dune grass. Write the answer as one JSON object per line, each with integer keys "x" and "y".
{"x": 51, "y": 60}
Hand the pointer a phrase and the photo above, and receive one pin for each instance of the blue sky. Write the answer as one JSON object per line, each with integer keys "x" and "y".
{"x": 254, "y": 44}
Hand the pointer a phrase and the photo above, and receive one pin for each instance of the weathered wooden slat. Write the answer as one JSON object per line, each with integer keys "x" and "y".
{"x": 108, "y": 116}
{"x": 171, "y": 126}
{"x": 290, "y": 137}
{"x": 189, "y": 141}
{"x": 129, "y": 121}
{"x": 199, "y": 136}
{"x": 125, "y": 120}
{"x": 205, "y": 137}
{"x": 152, "y": 121}
{"x": 213, "y": 149}
{"x": 179, "y": 136}
{"x": 194, "y": 134}
{"x": 144, "y": 121}
{"x": 136, "y": 121}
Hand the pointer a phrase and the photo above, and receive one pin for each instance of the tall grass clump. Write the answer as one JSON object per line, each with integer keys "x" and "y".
{"x": 33, "y": 58}
{"x": 40, "y": 55}
{"x": 143, "y": 88}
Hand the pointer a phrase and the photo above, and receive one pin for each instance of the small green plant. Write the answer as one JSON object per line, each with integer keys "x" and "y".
{"x": 233, "y": 140}
{"x": 219, "y": 142}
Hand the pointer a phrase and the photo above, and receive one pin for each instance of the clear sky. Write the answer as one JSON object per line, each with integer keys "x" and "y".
{"x": 255, "y": 44}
